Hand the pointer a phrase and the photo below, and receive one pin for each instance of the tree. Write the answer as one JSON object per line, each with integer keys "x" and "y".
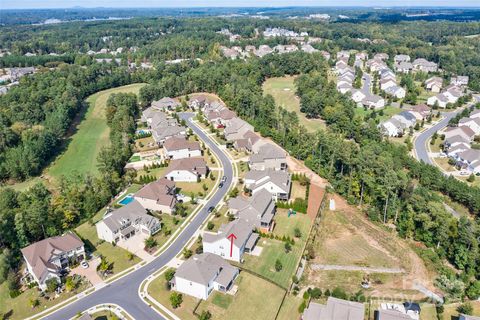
{"x": 206, "y": 315}
{"x": 465, "y": 308}
{"x": 339, "y": 293}
{"x": 471, "y": 178}
{"x": 52, "y": 285}
{"x": 69, "y": 284}
{"x": 169, "y": 274}
{"x": 150, "y": 243}
{"x": 187, "y": 253}
{"x": 288, "y": 247}
{"x": 473, "y": 291}
{"x": 278, "y": 265}
{"x": 297, "y": 233}
{"x": 176, "y": 299}
{"x": 210, "y": 225}
{"x": 34, "y": 302}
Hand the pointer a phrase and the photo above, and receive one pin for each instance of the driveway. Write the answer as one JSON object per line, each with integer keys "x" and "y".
{"x": 135, "y": 245}
{"x": 124, "y": 291}
{"x": 90, "y": 273}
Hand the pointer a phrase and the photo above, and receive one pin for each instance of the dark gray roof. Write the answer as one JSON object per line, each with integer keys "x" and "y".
{"x": 407, "y": 115}
{"x": 268, "y": 151}
{"x": 261, "y": 177}
{"x": 256, "y": 209}
{"x": 240, "y": 228}
{"x": 392, "y": 315}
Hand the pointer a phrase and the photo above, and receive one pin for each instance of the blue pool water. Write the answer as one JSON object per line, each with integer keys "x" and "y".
{"x": 126, "y": 200}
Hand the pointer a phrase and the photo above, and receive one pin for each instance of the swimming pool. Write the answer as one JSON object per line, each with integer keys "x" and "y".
{"x": 126, "y": 200}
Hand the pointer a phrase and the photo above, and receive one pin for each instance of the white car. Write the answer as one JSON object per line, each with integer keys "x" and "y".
{"x": 464, "y": 173}
{"x": 84, "y": 264}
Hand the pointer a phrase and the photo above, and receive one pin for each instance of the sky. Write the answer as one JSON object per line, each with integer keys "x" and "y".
{"x": 13, "y": 4}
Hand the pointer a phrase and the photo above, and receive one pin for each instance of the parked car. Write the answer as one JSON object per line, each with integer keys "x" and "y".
{"x": 220, "y": 184}
{"x": 210, "y": 209}
{"x": 224, "y": 179}
{"x": 84, "y": 264}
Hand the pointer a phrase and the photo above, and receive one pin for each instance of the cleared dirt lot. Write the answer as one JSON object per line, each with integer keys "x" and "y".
{"x": 347, "y": 238}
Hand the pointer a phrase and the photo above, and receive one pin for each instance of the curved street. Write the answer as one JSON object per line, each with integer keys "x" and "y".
{"x": 124, "y": 291}
{"x": 420, "y": 144}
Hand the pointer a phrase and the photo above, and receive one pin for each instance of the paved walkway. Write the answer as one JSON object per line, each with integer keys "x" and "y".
{"x": 355, "y": 268}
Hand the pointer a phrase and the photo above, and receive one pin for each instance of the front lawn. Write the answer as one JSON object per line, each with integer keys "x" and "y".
{"x": 255, "y": 299}
{"x": 20, "y": 307}
{"x": 187, "y": 188}
{"x": 119, "y": 257}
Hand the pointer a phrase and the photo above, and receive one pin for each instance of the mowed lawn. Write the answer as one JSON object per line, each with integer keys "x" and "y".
{"x": 255, "y": 299}
{"x": 388, "y": 112}
{"x": 92, "y": 134}
{"x": 282, "y": 90}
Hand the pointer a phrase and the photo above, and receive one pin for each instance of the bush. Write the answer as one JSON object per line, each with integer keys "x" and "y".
{"x": 169, "y": 274}
{"x": 288, "y": 247}
{"x": 465, "y": 308}
{"x": 297, "y": 233}
{"x": 176, "y": 299}
{"x": 315, "y": 293}
{"x": 278, "y": 265}
{"x": 210, "y": 225}
{"x": 187, "y": 253}
{"x": 302, "y": 306}
{"x": 339, "y": 293}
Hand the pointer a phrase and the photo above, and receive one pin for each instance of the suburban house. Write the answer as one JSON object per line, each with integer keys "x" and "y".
{"x": 357, "y": 95}
{"x": 161, "y": 134}
{"x": 394, "y": 311}
{"x": 268, "y": 156}
{"x": 277, "y": 183}
{"x": 424, "y": 110}
{"x": 440, "y": 100}
{"x": 404, "y": 67}
{"x": 460, "y": 81}
{"x": 203, "y": 273}
{"x": 373, "y": 101}
{"x": 386, "y": 83}
{"x": 407, "y": 118}
{"x": 187, "y": 170}
{"x": 236, "y": 128}
{"x": 47, "y": 258}
{"x": 469, "y": 160}
{"x": 220, "y": 117}
{"x": 158, "y": 119}
{"x": 396, "y": 91}
{"x": 380, "y": 56}
{"x": 472, "y": 123}
{"x": 335, "y": 309}
{"x": 179, "y": 148}
{"x": 424, "y": 65}
{"x": 198, "y": 102}
{"x": 120, "y": 224}
{"x": 391, "y": 128}
{"x": 232, "y": 240}
{"x": 434, "y": 84}
{"x": 463, "y": 131}
{"x": 166, "y": 104}
{"x": 258, "y": 210}
{"x": 475, "y": 114}
{"x": 158, "y": 196}
{"x": 401, "y": 58}
{"x": 248, "y": 142}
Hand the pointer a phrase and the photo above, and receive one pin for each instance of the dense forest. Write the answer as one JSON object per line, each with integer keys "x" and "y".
{"x": 368, "y": 171}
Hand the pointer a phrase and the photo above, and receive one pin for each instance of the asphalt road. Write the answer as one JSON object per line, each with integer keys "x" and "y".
{"x": 124, "y": 292}
{"x": 420, "y": 144}
{"x": 367, "y": 84}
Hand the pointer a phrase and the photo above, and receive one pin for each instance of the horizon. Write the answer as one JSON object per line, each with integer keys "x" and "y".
{"x": 186, "y": 4}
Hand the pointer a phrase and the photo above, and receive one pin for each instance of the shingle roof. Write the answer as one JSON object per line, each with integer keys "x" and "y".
{"x": 392, "y": 315}
{"x": 180, "y": 143}
{"x": 162, "y": 191}
{"x": 203, "y": 268}
{"x": 268, "y": 151}
{"x": 132, "y": 212}
{"x": 256, "y": 209}
{"x": 194, "y": 165}
{"x": 239, "y": 227}
{"x": 38, "y": 254}
{"x": 261, "y": 177}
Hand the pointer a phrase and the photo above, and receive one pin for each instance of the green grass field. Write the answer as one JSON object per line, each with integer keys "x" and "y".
{"x": 248, "y": 303}
{"x": 283, "y": 92}
{"x": 92, "y": 134}
{"x": 387, "y": 112}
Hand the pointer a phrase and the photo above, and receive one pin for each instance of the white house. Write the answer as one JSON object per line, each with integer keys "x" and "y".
{"x": 357, "y": 95}
{"x": 440, "y": 99}
{"x": 459, "y": 81}
{"x": 123, "y": 223}
{"x": 374, "y": 102}
{"x": 407, "y": 118}
{"x": 277, "y": 183}
{"x": 180, "y": 148}
{"x": 391, "y": 128}
{"x": 203, "y": 273}
{"x": 462, "y": 131}
{"x": 387, "y": 83}
{"x": 396, "y": 91}
{"x": 472, "y": 123}
{"x": 335, "y": 309}
{"x": 232, "y": 240}
{"x": 187, "y": 170}
{"x": 158, "y": 196}
{"x": 46, "y": 259}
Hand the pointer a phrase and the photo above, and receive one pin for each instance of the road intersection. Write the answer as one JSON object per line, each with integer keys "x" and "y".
{"x": 124, "y": 291}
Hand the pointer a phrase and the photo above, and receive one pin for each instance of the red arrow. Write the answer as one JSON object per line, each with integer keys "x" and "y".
{"x": 232, "y": 237}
